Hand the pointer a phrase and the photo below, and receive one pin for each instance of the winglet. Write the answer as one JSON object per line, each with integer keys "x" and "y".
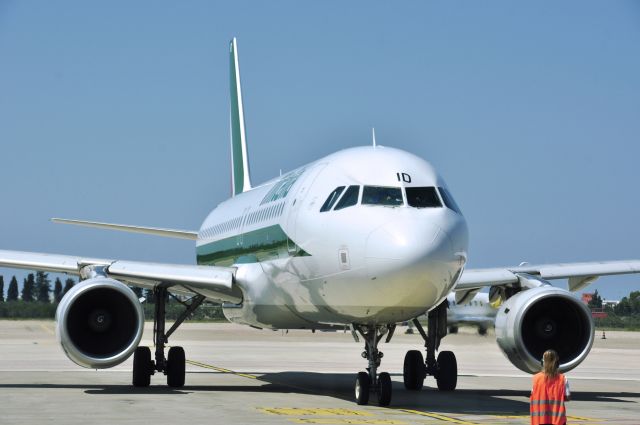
{"x": 240, "y": 181}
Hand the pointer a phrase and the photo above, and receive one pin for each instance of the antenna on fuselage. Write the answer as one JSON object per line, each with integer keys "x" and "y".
{"x": 373, "y": 135}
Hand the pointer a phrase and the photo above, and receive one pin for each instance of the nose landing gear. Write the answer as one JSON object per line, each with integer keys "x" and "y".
{"x": 444, "y": 368}
{"x": 370, "y": 381}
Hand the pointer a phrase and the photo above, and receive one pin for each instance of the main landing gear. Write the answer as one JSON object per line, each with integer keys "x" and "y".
{"x": 444, "y": 368}
{"x": 173, "y": 365}
{"x": 370, "y": 381}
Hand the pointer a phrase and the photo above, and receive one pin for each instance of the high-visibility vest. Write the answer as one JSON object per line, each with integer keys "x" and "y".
{"x": 547, "y": 400}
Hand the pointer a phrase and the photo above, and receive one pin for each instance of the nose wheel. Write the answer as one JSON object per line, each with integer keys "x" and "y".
{"x": 370, "y": 381}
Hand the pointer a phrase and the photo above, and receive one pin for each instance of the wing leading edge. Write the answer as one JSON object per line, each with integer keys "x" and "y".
{"x": 215, "y": 283}
{"x": 578, "y": 274}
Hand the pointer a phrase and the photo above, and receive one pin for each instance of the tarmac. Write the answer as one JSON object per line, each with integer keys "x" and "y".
{"x": 241, "y": 375}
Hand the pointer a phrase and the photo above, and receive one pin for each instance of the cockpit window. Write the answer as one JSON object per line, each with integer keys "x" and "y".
{"x": 349, "y": 198}
{"x": 331, "y": 200}
{"x": 423, "y": 197}
{"x": 378, "y": 195}
{"x": 448, "y": 200}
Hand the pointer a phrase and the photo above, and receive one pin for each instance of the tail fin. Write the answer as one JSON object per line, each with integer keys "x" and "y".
{"x": 240, "y": 181}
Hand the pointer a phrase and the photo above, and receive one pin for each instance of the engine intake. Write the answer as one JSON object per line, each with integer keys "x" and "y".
{"x": 99, "y": 323}
{"x": 538, "y": 319}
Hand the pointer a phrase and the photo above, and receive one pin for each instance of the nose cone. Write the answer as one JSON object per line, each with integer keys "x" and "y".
{"x": 409, "y": 242}
{"x": 414, "y": 259}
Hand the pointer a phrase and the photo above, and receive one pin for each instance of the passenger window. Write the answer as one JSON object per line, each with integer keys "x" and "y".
{"x": 423, "y": 197}
{"x": 333, "y": 197}
{"x": 377, "y": 195}
{"x": 349, "y": 199}
{"x": 448, "y": 200}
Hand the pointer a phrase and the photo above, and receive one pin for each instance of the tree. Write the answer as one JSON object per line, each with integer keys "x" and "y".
{"x": 43, "y": 287}
{"x": 629, "y": 306}
{"x": 137, "y": 291}
{"x": 12, "y": 292}
{"x": 27, "y": 288}
{"x": 596, "y": 301}
{"x": 149, "y": 296}
{"x": 1, "y": 288}
{"x": 68, "y": 284}
{"x": 57, "y": 291}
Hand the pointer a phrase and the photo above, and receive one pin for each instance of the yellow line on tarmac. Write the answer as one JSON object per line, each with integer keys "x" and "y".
{"x": 437, "y": 416}
{"x": 47, "y": 330}
{"x": 221, "y": 369}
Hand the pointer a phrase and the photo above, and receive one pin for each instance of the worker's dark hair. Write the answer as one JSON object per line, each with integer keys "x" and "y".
{"x": 550, "y": 363}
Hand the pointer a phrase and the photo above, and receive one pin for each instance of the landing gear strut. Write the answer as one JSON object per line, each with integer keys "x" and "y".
{"x": 444, "y": 368}
{"x": 173, "y": 366}
{"x": 370, "y": 381}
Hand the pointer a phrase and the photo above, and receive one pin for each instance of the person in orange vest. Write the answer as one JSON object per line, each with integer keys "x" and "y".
{"x": 550, "y": 391}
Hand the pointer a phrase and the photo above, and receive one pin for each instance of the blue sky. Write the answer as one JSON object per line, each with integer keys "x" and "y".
{"x": 118, "y": 111}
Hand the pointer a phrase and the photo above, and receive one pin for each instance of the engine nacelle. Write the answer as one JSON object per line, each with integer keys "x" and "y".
{"x": 538, "y": 319}
{"x": 99, "y": 323}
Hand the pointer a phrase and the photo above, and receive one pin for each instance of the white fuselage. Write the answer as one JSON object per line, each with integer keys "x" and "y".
{"x": 376, "y": 261}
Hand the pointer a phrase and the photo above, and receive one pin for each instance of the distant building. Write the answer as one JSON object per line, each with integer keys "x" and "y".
{"x": 596, "y": 313}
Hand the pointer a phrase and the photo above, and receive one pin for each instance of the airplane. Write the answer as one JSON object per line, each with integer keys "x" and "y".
{"x": 366, "y": 237}
{"x": 478, "y": 311}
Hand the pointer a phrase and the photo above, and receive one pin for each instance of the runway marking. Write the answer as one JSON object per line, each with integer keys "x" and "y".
{"x": 339, "y": 421}
{"x": 310, "y": 411}
{"x": 221, "y": 369}
{"x": 46, "y": 329}
{"x": 436, "y": 416}
{"x": 578, "y": 419}
{"x": 297, "y": 411}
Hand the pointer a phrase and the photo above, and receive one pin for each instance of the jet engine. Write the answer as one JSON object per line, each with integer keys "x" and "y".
{"x": 99, "y": 323}
{"x": 542, "y": 318}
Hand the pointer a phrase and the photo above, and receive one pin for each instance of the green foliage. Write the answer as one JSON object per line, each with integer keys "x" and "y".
{"x": 27, "y": 288}
{"x": 42, "y": 287}
{"x": 12, "y": 292}
{"x": 206, "y": 312}
{"x": 27, "y": 310}
{"x": 630, "y": 323}
{"x": 629, "y": 305}
{"x": 596, "y": 300}
{"x": 149, "y": 296}
{"x": 1, "y": 288}
{"x": 137, "y": 291}
{"x": 68, "y": 284}
{"x": 57, "y": 290}
{"x": 32, "y": 310}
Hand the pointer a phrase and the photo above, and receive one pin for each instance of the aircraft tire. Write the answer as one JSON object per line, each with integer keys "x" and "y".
{"x": 413, "y": 372}
{"x": 447, "y": 374}
{"x": 142, "y": 367}
{"x": 363, "y": 383}
{"x": 175, "y": 367}
{"x": 384, "y": 389}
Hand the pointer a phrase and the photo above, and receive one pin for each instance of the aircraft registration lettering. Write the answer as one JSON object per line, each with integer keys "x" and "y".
{"x": 403, "y": 177}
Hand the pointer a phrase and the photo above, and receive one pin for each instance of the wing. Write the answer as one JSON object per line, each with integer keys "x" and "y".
{"x": 578, "y": 274}
{"x": 169, "y": 233}
{"x": 215, "y": 283}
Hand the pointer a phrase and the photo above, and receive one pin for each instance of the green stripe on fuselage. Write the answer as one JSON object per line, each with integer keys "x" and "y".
{"x": 268, "y": 243}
